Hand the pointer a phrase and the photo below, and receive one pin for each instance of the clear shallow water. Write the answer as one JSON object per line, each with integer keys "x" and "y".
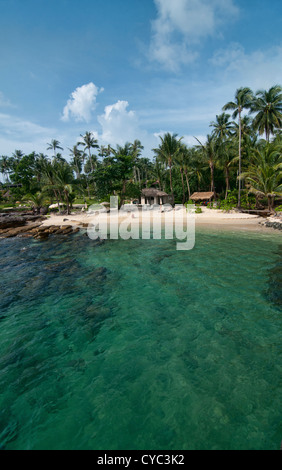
{"x": 133, "y": 345}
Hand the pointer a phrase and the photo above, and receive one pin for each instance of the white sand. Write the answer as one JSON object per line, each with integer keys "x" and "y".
{"x": 210, "y": 218}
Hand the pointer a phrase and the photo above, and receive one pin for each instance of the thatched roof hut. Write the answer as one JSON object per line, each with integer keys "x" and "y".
{"x": 155, "y": 196}
{"x": 208, "y": 196}
{"x": 153, "y": 192}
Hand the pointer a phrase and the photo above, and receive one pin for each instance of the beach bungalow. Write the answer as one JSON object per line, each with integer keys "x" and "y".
{"x": 152, "y": 196}
{"x": 203, "y": 197}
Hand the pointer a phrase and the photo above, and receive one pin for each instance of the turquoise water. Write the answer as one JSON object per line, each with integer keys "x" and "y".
{"x": 133, "y": 345}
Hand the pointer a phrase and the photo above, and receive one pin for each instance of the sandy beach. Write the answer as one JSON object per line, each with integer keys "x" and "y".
{"x": 214, "y": 219}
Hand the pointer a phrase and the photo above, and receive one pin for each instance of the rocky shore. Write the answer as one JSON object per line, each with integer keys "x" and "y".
{"x": 29, "y": 225}
{"x": 273, "y": 222}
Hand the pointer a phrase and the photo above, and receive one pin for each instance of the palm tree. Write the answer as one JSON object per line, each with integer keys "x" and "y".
{"x": 77, "y": 159}
{"x": 183, "y": 161}
{"x": 64, "y": 180}
{"x": 105, "y": 151}
{"x": 40, "y": 162}
{"x": 49, "y": 171}
{"x": 268, "y": 106}
{"x": 54, "y": 145}
{"x": 89, "y": 142}
{"x": 209, "y": 151}
{"x": 158, "y": 172}
{"x": 5, "y": 167}
{"x": 243, "y": 100}
{"x": 137, "y": 148}
{"x": 222, "y": 127}
{"x": 264, "y": 175}
{"x": 37, "y": 201}
{"x": 91, "y": 164}
{"x": 227, "y": 156}
{"x": 168, "y": 151}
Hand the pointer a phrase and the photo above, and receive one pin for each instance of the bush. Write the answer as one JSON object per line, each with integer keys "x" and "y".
{"x": 198, "y": 210}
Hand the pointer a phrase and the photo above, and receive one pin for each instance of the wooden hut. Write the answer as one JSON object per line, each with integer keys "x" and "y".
{"x": 205, "y": 197}
{"x": 152, "y": 196}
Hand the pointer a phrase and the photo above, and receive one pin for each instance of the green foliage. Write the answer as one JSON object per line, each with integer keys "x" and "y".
{"x": 214, "y": 163}
{"x": 189, "y": 203}
{"x": 248, "y": 201}
{"x": 198, "y": 210}
{"x": 231, "y": 201}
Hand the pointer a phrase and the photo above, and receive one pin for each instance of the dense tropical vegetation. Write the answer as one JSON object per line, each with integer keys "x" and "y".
{"x": 240, "y": 160}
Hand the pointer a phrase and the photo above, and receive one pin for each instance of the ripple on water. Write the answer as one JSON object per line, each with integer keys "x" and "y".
{"x": 137, "y": 346}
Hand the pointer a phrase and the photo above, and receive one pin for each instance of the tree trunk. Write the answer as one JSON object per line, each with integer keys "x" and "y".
{"x": 57, "y": 199}
{"x": 240, "y": 159}
{"x": 183, "y": 188}
{"x": 68, "y": 204}
{"x": 170, "y": 175}
{"x": 139, "y": 178}
{"x": 91, "y": 163}
{"x": 212, "y": 179}
{"x": 227, "y": 182}
{"x": 188, "y": 185}
{"x": 270, "y": 203}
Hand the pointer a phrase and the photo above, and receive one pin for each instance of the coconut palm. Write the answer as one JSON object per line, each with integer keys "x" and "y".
{"x": 137, "y": 148}
{"x": 264, "y": 175}
{"x": 37, "y": 201}
{"x": 227, "y": 158}
{"x": 5, "y": 167}
{"x": 40, "y": 162}
{"x": 77, "y": 160}
{"x": 168, "y": 151}
{"x": 89, "y": 142}
{"x": 268, "y": 108}
{"x": 209, "y": 152}
{"x": 222, "y": 127}
{"x": 183, "y": 162}
{"x": 243, "y": 100}
{"x": 49, "y": 172}
{"x": 54, "y": 145}
{"x": 157, "y": 170}
{"x": 103, "y": 151}
{"x": 64, "y": 180}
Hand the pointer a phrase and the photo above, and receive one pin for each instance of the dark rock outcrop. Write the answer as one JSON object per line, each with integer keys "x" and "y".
{"x": 14, "y": 221}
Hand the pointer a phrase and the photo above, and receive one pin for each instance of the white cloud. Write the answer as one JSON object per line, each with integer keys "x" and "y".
{"x": 189, "y": 140}
{"x": 4, "y": 102}
{"x": 81, "y": 103}
{"x": 17, "y": 133}
{"x": 181, "y": 24}
{"x": 259, "y": 69}
{"x": 118, "y": 124}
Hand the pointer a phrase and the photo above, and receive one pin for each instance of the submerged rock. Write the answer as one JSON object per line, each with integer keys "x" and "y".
{"x": 97, "y": 311}
{"x": 9, "y": 433}
{"x": 77, "y": 364}
{"x": 274, "y": 293}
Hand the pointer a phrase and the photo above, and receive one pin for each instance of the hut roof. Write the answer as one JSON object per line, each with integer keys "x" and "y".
{"x": 202, "y": 196}
{"x": 152, "y": 192}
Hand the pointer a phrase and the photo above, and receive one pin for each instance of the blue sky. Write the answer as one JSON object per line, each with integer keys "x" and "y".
{"x": 126, "y": 69}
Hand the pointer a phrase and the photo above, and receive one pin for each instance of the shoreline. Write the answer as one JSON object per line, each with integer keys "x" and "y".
{"x": 214, "y": 220}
